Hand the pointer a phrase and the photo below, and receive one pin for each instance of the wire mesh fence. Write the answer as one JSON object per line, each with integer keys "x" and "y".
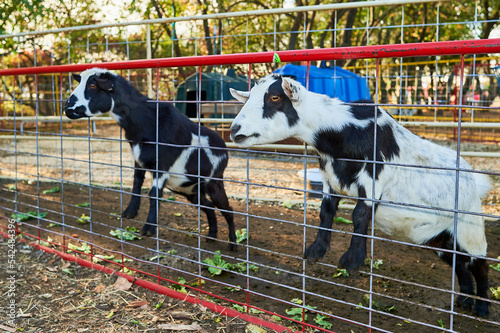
{"x": 67, "y": 184}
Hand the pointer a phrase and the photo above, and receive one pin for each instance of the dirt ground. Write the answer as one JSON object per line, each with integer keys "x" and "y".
{"x": 60, "y": 296}
{"x": 411, "y": 284}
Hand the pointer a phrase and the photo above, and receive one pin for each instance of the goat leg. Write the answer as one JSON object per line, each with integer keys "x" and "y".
{"x": 317, "y": 250}
{"x": 479, "y": 268}
{"x": 355, "y": 256}
{"x": 135, "y": 201}
{"x": 149, "y": 228}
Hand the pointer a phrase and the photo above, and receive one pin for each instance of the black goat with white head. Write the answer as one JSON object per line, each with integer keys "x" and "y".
{"x": 101, "y": 91}
{"x": 279, "y": 107}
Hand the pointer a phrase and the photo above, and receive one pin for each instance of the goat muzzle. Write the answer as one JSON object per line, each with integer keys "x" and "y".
{"x": 75, "y": 113}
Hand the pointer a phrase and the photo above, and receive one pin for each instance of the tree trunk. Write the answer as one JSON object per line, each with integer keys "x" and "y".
{"x": 347, "y": 35}
{"x": 492, "y": 20}
{"x": 297, "y": 23}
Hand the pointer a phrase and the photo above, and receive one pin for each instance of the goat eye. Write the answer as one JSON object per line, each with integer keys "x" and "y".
{"x": 92, "y": 85}
{"x": 275, "y": 98}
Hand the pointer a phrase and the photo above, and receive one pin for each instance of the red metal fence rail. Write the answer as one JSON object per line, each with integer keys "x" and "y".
{"x": 480, "y": 46}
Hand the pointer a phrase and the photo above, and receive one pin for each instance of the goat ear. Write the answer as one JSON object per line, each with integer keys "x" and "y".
{"x": 77, "y": 77}
{"x": 291, "y": 89}
{"x": 105, "y": 83}
{"x": 241, "y": 96}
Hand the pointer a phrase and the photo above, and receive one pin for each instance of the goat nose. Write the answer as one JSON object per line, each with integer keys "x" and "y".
{"x": 67, "y": 105}
{"x": 234, "y": 129}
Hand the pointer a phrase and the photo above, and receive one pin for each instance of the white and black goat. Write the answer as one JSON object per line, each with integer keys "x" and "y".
{"x": 414, "y": 203}
{"x": 176, "y": 145}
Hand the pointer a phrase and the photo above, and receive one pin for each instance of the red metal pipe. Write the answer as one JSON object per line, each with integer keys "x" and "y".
{"x": 160, "y": 289}
{"x": 353, "y": 52}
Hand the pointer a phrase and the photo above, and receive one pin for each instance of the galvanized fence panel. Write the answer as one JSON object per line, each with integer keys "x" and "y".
{"x": 268, "y": 272}
{"x": 76, "y": 177}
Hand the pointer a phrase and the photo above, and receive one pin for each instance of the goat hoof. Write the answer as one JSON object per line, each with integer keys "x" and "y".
{"x": 148, "y": 230}
{"x": 465, "y": 302}
{"x": 232, "y": 247}
{"x": 314, "y": 252}
{"x": 481, "y": 309}
{"x": 211, "y": 237}
{"x": 351, "y": 261}
{"x": 129, "y": 214}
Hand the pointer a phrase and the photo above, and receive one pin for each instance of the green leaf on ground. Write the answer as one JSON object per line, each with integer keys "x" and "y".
{"x": 85, "y": 248}
{"x": 376, "y": 263}
{"x": 126, "y": 235}
{"x": 100, "y": 257}
{"x": 84, "y": 219}
{"x": 178, "y": 287}
{"x": 120, "y": 261}
{"x": 495, "y": 292}
{"x": 131, "y": 229}
{"x": 52, "y": 190}
{"x": 21, "y": 217}
{"x": 321, "y": 321}
{"x": 496, "y": 266}
{"x": 241, "y": 235}
{"x": 242, "y": 267}
{"x": 341, "y": 272}
{"x": 218, "y": 263}
{"x": 340, "y": 219}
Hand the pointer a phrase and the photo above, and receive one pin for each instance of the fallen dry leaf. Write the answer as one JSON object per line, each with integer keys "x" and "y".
{"x": 181, "y": 315}
{"x": 22, "y": 315}
{"x": 7, "y": 328}
{"x": 179, "y": 327}
{"x": 252, "y": 328}
{"x": 66, "y": 264}
{"x": 138, "y": 303}
{"x": 100, "y": 288}
{"x": 122, "y": 284}
{"x": 102, "y": 306}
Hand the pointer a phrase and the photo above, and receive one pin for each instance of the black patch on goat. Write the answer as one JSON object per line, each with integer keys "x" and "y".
{"x": 282, "y": 105}
{"x": 99, "y": 99}
{"x": 362, "y": 112}
{"x": 356, "y": 143}
{"x": 71, "y": 101}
